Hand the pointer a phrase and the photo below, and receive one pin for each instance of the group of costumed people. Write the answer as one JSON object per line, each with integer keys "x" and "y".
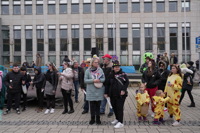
{"x": 163, "y": 89}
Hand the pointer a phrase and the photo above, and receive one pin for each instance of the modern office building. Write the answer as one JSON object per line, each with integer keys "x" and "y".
{"x": 55, "y": 28}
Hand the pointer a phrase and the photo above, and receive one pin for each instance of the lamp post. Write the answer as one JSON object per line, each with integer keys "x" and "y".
{"x": 114, "y": 43}
{"x": 185, "y": 30}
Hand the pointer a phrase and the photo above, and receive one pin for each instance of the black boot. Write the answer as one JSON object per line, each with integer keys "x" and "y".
{"x": 98, "y": 121}
{"x": 192, "y": 105}
{"x": 92, "y": 121}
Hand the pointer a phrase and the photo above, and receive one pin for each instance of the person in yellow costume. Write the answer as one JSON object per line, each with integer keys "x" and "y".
{"x": 159, "y": 103}
{"x": 142, "y": 99}
{"x": 173, "y": 90}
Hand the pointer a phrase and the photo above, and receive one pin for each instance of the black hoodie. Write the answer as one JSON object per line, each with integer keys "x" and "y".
{"x": 39, "y": 80}
{"x": 116, "y": 83}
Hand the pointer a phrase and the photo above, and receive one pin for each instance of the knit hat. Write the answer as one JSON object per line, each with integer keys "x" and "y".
{"x": 191, "y": 63}
{"x": 116, "y": 63}
{"x": 107, "y": 56}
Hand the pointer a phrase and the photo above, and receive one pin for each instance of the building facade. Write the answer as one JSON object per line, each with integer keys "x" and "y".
{"x": 55, "y": 28}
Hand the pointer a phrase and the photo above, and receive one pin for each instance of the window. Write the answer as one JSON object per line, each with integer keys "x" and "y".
{"x": 123, "y": 6}
{"x": 75, "y": 8}
{"x": 187, "y": 38}
{"x": 39, "y": 9}
{"x": 87, "y": 39}
{"x": 147, "y": 6}
{"x": 136, "y": 39}
{"x": 173, "y": 38}
{"x": 29, "y": 43}
{"x": 6, "y": 38}
{"x": 124, "y": 38}
{"x": 161, "y": 38}
{"x": 110, "y": 39}
{"x": 40, "y": 40}
{"x": 16, "y": 9}
{"x": 52, "y": 39}
{"x": 6, "y": 60}
{"x": 98, "y": 7}
{"x": 4, "y": 9}
{"x": 136, "y": 61}
{"x": 160, "y": 6}
{"x": 63, "y": 8}
{"x": 52, "y": 58}
{"x": 75, "y": 39}
{"x": 136, "y": 7}
{"x": 51, "y": 9}
{"x": 148, "y": 38}
{"x": 17, "y": 59}
{"x": 86, "y": 7}
{"x": 99, "y": 38}
{"x": 186, "y": 5}
{"x": 63, "y": 40}
{"x": 110, "y": 7}
{"x": 17, "y": 40}
{"x": 28, "y": 9}
{"x": 172, "y": 6}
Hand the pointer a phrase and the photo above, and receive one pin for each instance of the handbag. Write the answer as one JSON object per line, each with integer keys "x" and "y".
{"x": 24, "y": 89}
{"x": 98, "y": 85}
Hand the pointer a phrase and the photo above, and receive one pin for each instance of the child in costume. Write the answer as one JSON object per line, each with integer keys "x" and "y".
{"x": 173, "y": 89}
{"x": 142, "y": 99}
{"x": 159, "y": 103}
{"x": 185, "y": 70}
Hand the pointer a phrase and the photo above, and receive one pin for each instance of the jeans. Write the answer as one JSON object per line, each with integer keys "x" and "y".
{"x": 40, "y": 97}
{"x": 76, "y": 86}
{"x": 50, "y": 101}
{"x": 86, "y": 104}
{"x": 10, "y": 97}
{"x": 67, "y": 99}
{"x": 103, "y": 106}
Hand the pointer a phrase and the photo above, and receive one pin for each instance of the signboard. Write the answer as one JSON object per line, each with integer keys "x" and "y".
{"x": 197, "y": 40}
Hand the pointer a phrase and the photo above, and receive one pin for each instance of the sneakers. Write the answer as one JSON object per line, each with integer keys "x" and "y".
{"x": 17, "y": 111}
{"x": 47, "y": 111}
{"x": 52, "y": 111}
{"x": 165, "y": 109}
{"x": 119, "y": 125}
{"x": 71, "y": 111}
{"x": 176, "y": 123}
{"x": 114, "y": 122}
{"x": 139, "y": 118}
{"x": 6, "y": 112}
{"x": 84, "y": 112}
{"x": 152, "y": 115}
{"x": 110, "y": 114}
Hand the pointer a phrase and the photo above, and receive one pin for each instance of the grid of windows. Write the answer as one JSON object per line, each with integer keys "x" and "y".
{"x": 124, "y": 38}
{"x": 148, "y": 38}
{"x": 40, "y": 40}
{"x": 99, "y": 38}
{"x": 187, "y": 38}
{"x": 75, "y": 39}
{"x": 99, "y": 7}
{"x": 173, "y": 31}
{"x": 52, "y": 39}
{"x": 136, "y": 38}
{"x": 87, "y": 39}
{"x": 161, "y": 38}
{"x": 29, "y": 36}
{"x": 63, "y": 40}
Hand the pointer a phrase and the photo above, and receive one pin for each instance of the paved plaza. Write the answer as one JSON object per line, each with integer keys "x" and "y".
{"x": 32, "y": 122}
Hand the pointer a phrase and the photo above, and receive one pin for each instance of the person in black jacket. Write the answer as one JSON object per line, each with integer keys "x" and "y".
{"x": 14, "y": 81}
{"x": 39, "y": 82}
{"x": 164, "y": 73}
{"x": 116, "y": 89}
{"x": 188, "y": 86}
{"x": 78, "y": 78}
{"x": 27, "y": 79}
{"x": 145, "y": 65}
{"x": 50, "y": 87}
{"x": 151, "y": 79}
{"x": 107, "y": 68}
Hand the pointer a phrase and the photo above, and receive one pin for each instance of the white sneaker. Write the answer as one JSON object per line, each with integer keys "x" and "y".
{"x": 152, "y": 115}
{"x": 52, "y": 111}
{"x": 114, "y": 122}
{"x": 119, "y": 125}
{"x": 47, "y": 111}
{"x": 176, "y": 123}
